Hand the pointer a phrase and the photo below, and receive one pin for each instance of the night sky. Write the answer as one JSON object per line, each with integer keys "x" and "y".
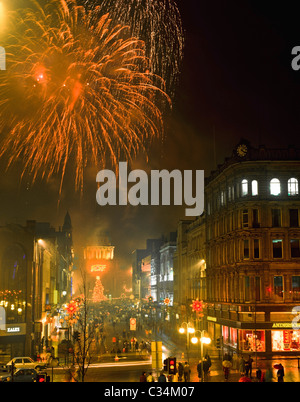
{"x": 236, "y": 82}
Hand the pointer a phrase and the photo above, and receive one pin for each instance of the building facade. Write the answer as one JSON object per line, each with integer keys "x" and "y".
{"x": 34, "y": 259}
{"x": 252, "y": 255}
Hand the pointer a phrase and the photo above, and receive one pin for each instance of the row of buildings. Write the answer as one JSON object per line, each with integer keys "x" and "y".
{"x": 41, "y": 274}
{"x": 241, "y": 257}
{"x": 36, "y": 265}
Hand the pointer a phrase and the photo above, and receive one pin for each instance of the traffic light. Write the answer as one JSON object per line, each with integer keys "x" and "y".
{"x": 42, "y": 377}
{"x": 218, "y": 343}
{"x": 166, "y": 364}
{"x": 172, "y": 365}
{"x": 76, "y": 336}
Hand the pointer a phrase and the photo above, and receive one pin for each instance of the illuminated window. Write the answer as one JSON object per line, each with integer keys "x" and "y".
{"x": 275, "y": 187}
{"x": 293, "y": 187}
{"x": 252, "y": 341}
{"x": 254, "y": 185}
{"x": 244, "y": 187}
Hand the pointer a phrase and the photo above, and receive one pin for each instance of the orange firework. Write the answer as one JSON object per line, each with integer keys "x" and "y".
{"x": 158, "y": 23}
{"x": 77, "y": 89}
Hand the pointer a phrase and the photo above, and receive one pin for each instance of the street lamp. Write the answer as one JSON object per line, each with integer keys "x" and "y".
{"x": 189, "y": 330}
{"x": 204, "y": 340}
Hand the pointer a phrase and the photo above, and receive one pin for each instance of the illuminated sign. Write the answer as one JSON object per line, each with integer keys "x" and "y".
{"x": 283, "y": 325}
{"x": 13, "y": 329}
{"x": 98, "y": 268}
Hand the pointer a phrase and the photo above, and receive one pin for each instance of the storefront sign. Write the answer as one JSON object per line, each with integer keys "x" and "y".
{"x": 283, "y": 325}
{"x": 13, "y": 329}
{"x": 208, "y": 318}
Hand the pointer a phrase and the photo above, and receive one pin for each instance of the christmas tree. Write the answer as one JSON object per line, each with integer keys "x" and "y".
{"x": 98, "y": 293}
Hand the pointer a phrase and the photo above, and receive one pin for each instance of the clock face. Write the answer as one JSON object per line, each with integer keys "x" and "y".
{"x": 242, "y": 150}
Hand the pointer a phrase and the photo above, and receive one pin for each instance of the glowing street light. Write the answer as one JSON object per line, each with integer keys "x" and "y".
{"x": 203, "y": 340}
{"x": 189, "y": 330}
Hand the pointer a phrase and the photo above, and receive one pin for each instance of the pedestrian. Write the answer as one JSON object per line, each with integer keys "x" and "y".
{"x": 280, "y": 373}
{"x": 226, "y": 368}
{"x": 208, "y": 359}
{"x": 143, "y": 377}
{"x": 180, "y": 371}
{"x": 242, "y": 366}
{"x": 206, "y": 367}
{"x": 150, "y": 378}
{"x": 162, "y": 377}
{"x": 248, "y": 366}
{"x": 186, "y": 372}
{"x": 199, "y": 370}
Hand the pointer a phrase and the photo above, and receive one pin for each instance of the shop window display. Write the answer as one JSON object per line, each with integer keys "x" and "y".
{"x": 252, "y": 341}
{"x": 285, "y": 341}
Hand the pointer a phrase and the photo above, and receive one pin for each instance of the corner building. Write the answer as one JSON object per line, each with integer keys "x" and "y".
{"x": 253, "y": 251}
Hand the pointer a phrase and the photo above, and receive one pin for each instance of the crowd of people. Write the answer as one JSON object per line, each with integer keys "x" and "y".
{"x": 242, "y": 365}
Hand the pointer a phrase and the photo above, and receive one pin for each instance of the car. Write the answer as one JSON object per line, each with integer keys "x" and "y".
{"x": 25, "y": 362}
{"x": 21, "y": 375}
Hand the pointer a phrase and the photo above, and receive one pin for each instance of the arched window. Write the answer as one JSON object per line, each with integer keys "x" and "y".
{"x": 275, "y": 187}
{"x": 244, "y": 187}
{"x": 254, "y": 187}
{"x": 293, "y": 187}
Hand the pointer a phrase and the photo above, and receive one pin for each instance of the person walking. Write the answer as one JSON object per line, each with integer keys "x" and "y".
{"x": 242, "y": 366}
{"x": 180, "y": 371}
{"x": 208, "y": 359}
{"x": 162, "y": 377}
{"x": 186, "y": 372}
{"x": 150, "y": 378}
{"x": 199, "y": 370}
{"x": 248, "y": 366}
{"x": 226, "y": 368}
{"x": 280, "y": 373}
{"x": 143, "y": 377}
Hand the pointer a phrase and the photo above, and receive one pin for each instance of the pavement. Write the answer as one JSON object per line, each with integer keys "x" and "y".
{"x": 177, "y": 348}
{"x": 216, "y": 374}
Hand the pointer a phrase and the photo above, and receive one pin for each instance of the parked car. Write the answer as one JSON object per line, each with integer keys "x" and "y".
{"x": 25, "y": 362}
{"x": 21, "y": 375}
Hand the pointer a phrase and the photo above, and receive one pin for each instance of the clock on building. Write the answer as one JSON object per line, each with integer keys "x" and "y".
{"x": 242, "y": 150}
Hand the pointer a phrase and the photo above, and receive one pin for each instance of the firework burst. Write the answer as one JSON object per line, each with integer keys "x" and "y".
{"x": 77, "y": 88}
{"x": 158, "y": 23}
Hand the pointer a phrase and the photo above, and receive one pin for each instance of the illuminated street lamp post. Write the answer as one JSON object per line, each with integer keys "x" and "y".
{"x": 204, "y": 340}
{"x": 189, "y": 330}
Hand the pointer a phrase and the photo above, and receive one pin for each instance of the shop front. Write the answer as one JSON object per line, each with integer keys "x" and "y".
{"x": 269, "y": 339}
{"x": 12, "y": 342}
{"x": 285, "y": 338}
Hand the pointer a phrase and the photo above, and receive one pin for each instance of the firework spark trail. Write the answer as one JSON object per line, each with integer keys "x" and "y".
{"x": 77, "y": 87}
{"x": 158, "y": 23}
